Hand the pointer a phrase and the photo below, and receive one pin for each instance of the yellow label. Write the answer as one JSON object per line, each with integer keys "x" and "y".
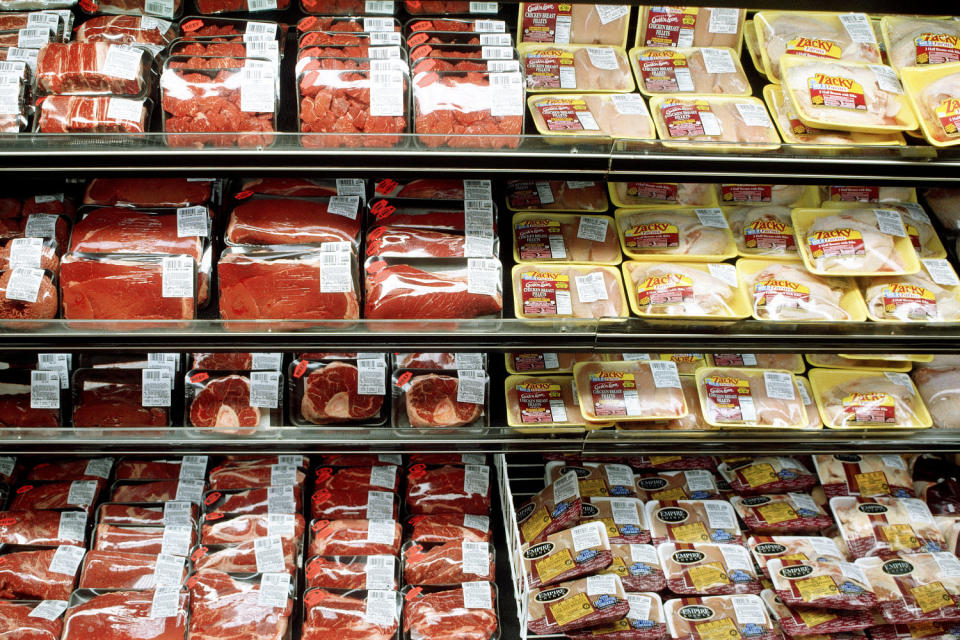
{"x": 571, "y": 609}
{"x": 677, "y": 493}
{"x": 658, "y": 460}
{"x": 758, "y": 475}
{"x": 872, "y": 484}
{"x": 815, "y": 588}
{"x": 777, "y": 512}
{"x": 924, "y": 629}
{"x": 612, "y": 530}
{"x": 802, "y": 557}
{"x": 931, "y": 597}
{"x": 553, "y": 565}
{"x": 901, "y": 537}
{"x": 614, "y": 627}
{"x": 814, "y": 47}
{"x": 814, "y": 617}
{"x": 617, "y": 567}
{"x": 593, "y": 487}
{"x": 535, "y": 524}
{"x": 707, "y": 576}
{"x": 717, "y": 630}
{"x": 948, "y": 113}
{"x": 693, "y": 532}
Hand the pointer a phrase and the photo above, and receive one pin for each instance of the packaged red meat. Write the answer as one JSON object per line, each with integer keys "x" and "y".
{"x": 354, "y": 504}
{"x": 130, "y": 570}
{"x": 353, "y": 572}
{"x": 124, "y": 513}
{"x": 692, "y": 521}
{"x": 884, "y": 526}
{"x": 448, "y": 564}
{"x": 572, "y": 23}
{"x": 470, "y": 610}
{"x": 921, "y": 587}
{"x": 224, "y": 606}
{"x": 219, "y": 530}
{"x": 399, "y": 242}
{"x": 354, "y": 537}
{"x": 448, "y": 361}
{"x": 438, "y": 528}
{"x": 248, "y": 556}
{"x": 92, "y": 68}
{"x": 568, "y": 606}
{"x": 644, "y": 621}
{"x": 554, "y": 508}
{"x": 336, "y": 479}
{"x": 433, "y": 189}
{"x": 27, "y": 622}
{"x": 448, "y": 489}
{"x": 565, "y": 238}
{"x": 235, "y": 404}
{"x": 304, "y": 187}
{"x": 79, "y": 494}
{"x": 741, "y": 123}
{"x": 637, "y": 566}
{"x": 864, "y": 475}
{"x": 690, "y": 27}
{"x": 789, "y": 513}
{"x": 559, "y": 195}
{"x": 708, "y": 569}
{"x": 338, "y": 392}
{"x": 751, "y": 476}
{"x": 171, "y": 539}
{"x": 231, "y": 361}
{"x": 101, "y": 614}
{"x": 472, "y": 109}
{"x": 271, "y": 220}
{"x": 596, "y": 479}
{"x": 116, "y": 398}
{"x": 71, "y": 469}
{"x": 36, "y": 253}
{"x": 213, "y": 7}
{"x": 43, "y": 528}
{"x": 695, "y": 484}
{"x": 807, "y": 621}
{"x": 428, "y": 214}
{"x": 821, "y": 585}
{"x": 266, "y": 473}
{"x": 128, "y": 30}
{"x": 265, "y": 500}
{"x": 240, "y": 462}
{"x": 125, "y": 230}
{"x": 624, "y": 519}
{"x": 566, "y": 555}
{"x": 704, "y": 71}
{"x": 148, "y": 492}
{"x": 93, "y": 114}
{"x": 696, "y": 618}
{"x": 629, "y": 391}
{"x": 28, "y": 293}
{"x": 45, "y": 574}
{"x": 354, "y": 615}
{"x": 152, "y": 469}
{"x": 149, "y": 192}
{"x": 431, "y": 400}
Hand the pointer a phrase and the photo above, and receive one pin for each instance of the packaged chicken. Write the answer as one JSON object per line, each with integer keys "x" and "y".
{"x": 934, "y": 93}
{"x": 821, "y": 585}
{"x": 764, "y": 231}
{"x": 697, "y": 235}
{"x": 554, "y": 508}
{"x": 703, "y": 71}
{"x": 806, "y": 394}
{"x": 692, "y": 521}
{"x": 752, "y": 43}
{"x": 526, "y": 363}
{"x": 735, "y": 397}
{"x": 568, "y": 606}
{"x": 750, "y": 476}
{"x": 690, "y": 27}
{"x": 644, "y": 621}
{"x": 854, "y": 399}
{"x": 816, "y": 623}
{"x": 550, "y": 291}
{"x": 884, "y": 526}
{"x": 693, "y": 421}
{"x": 741, "y": 616}
{"x": 742, "y": 123}
{"x": 695, "y": 484}
{"x": 684, "y": 291}
{"x": 624, "y": 519}
{"x": 629, "y": 391}
{"x": 708, "y": 569}
{"x": 862, "y": 362}
{"x": 572, "y": 23}
{"x": 820, "y": 35}
{"x": 915, "y": 587}
{"x": 556, "y": 195}
{"x": 591, "y": 118}
{"x": 559, "y": 237}
{"x": 802, "y": 548}
{"x": 769, "y": 195}
{"x": 774, "y": 514}
{"x": 792, "y": 362}
{"x": 687, "y": 363}
{"x": 656, "y": 194}
{"x": 567, "y": 555}
{"x": 920, "y": 229}
{"x": 915, "y": 298}
{"x": 919, "y": 41}
{"x": 864, "y": 475}
{"x": 571, "y": 68}
{"x": 940, "y": 389}
{"x": 537, "y": 402}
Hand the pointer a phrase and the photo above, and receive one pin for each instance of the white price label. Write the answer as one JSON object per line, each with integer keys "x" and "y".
{"x": 724, "y": 21}
{"x": 383, "y": 476}
{"x": 699, "y": 480}
{"x": 496, "y": 40}
{"x": 901, "y": 379}
{"x": 381, "y": 531}
{"x": 887, "y": 78}
{"x": 346, "y": 206}
{"x": 471, "y": 386}
{"x": 718, "y": 60}
{"x": 265, "y": 389}
{"x": 168, "y": 570}
{"x": 378, "y": 38}
{"x": 603, "y": 584}
{"x": 476, "y": 479}
{"x": 274, "y": 590}
{"x": 269, "y": 361}
{"x": 629, "y": 104}
{"x": 176, "y": 540}
{"x": 99, "y": 468}
{"x": 193, "y": 467}
{"x": 166, "y": 601}
{"x": 665, "y": 374}
{"x": 44, "y": 390}
{"x": 33, "y": 38}
{"x": 26, "y": 252}
{"x": 712, "y": 218}
{"x": 496, "y": 53}
{"x": 477, "y": 595}
{"x": 378, "y": 24}
{"x": 381, "y": 608}
{"x": 587, "y": 536}
{"x": 265, "y": 29}
{"x": 7, "y": 465}
{"x": 941, "y": 271}
{"x": 502, "y": 66}
{"x": 565, "y": 488}
{"x": 568, "y": 78}
{"x": 386, "y": 93}
{"x": 261, "y": 5}
{"x": 49, "y": 609}
{"x": 625, "y": 512}
{"x": 858, "y": 26}
{"x": 66, "y": 560}
{"x": 720, "y": 515}
{"x": 890, "y": 222}
{"x": 335, "y": 272}
{"x": 748, "y": 610}
{"x": 779, "y": 385}
{"x": 483, "y": 276}
{"x": 804, "y": 396}
{"x": 257, "y": 89}
{"x": 381, "y": 572}
{"x": 476, "y": 558}
{"x": 24, "y": 284}
{"x": 283, "y": 474}
{"x": 754, "y": 115}
{"x": 122, "y": 62}
{"x": 489, "y": 26}
{"x": 507, "y": 90}
{"x": 610, "y": 12}
{"x": 352, "y": 187}
{"x": 644, "y": 553}
{"x": 82, "y": 493}
{"x": 380, "y": 505}
{"x": 726, "y": 273}
{"x": 592, "y": 228}
{"x": 281, "y": 524}
{"x": 379, "y": 7}
{"x": 156, "y": 387}
{"x": 281, "y": 499}
{"x": 639, "y": 606}
{"x": 163, "y": 8}
{"x": 168, "y": 361}
{"x": 478, "y": 523}
{"x": 72, "y": 526}
{"x": 125, "y": 110}
{"x": 193, "y": 221}
{"x": 268, "y": 553}
{"x": 190, "y": 491}
{"x": 603, "y": 58}
{"x": 591, "y": 287}
{"x": 478, "y": 190}
{"x": 178, "y": 277}
{"x": 175, "y": 513}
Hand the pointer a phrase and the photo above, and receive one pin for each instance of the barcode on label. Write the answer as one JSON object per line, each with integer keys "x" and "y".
{"x": 381, "y": 608}
{"x": 262, "y": 28}
{"x": 41, "y": 225}
{"x": 49, "y": 609}
{"x": 712, "y": 218}
{"x": 178, "y": 277}
{"x": 483, "y": 276}
{"x": 484, "y": 7}
{"x": 384, "y": 38}
{"x": 163, "y": 8}
{"x": 274, "y": 590}
{"x": 379, "y": 6}
{"x": 378, "y": 24}
{"x": 156, "y": 387}
{"x": 265, "y": 389}
{"x": 33, "y": 38}
{"x": 476, "y": 479}
{"x": 346, "y": 206}
{"x": 477, "y": 595}
{"x": 44, "y": 390}
{"x": 471, "y": 386}
{"x": 122, "y": 62}
{"x": 166, "y": 601}
{"x": 371, "y": 377}
{"x": 496, "y": 39}
{"x": 380, "y": 572}
{"x": 261, "y": 5}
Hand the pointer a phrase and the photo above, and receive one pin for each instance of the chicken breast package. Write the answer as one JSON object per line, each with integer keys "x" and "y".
{"x": 920, "y": 41}
{"x": 862, "y": 362}
{"x": 758, "y": 475}
{"x": 847, "y": 96}
{"x": 554, "y": 508}
{"x": 562, "y": 23}
{"x": 774, "y": 514}
{"x": 563, "y": 237}
{"x": 940, "y": 389}
{"x": 695, "y": 484}
{"x": 629, "y": 391}
{"x": 624, "y": 518}
{"x": 915, "y": 587}
{"x": 708, "y": 569}
{"x": 710, "y": 617}
{"x": 735, "y": 397}
{"x": 536, "y": 402}
{"x": 690, "y": 27}
{"x": 595, "y": 479}
{"x": 792, "y": 362}
{"x": 655, "y": 194}
{"x": 703, "y": 71}
{"x": 934, "y": 93}
{"x": 820, "y": 35}
{"x": 763, "y": 231}
{"x": 923, "y": 236}
{"x": 886, "y": 526}
{"x": 644, "y": 621}
{"x": 556, "y": 195}
{"x": 603, "y": 69}
{"x": 784, "y": 292}
{"x": 854, "y": 399}
{"x": 684, "y": 234}
{"x": 807, "y": 621}
{"x": 803, "y": 548}
{"x": 740, "y": 123}
{"x": 821, "y": 585}
{"x": 550, "y": 291}
{"x": 692, "y": 521}
{"x": 568, "y": 606}
{"x": 567, "y": 555}
{"x": 591, "y": 118}
{"x": 916, "y": 298}
{"x": 684, "y": 291}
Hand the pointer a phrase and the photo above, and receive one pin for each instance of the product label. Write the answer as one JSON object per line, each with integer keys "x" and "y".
{"x": 900, "y": 537}
{"x": 547, "y": 22}
{"x": 836, "y": 242}
{"x": 665, "y": 71}
{"x": 723, "y": 629}
{"x": 540, "y": 239}
{"x": 903, "y": 300}
{"x": 690, "y": 119}
{"x": 669, "y": 289}
{"x": 731, "y": 399}
{"x": 567, "y": 114}
{"x": 614, "y": 393}
{"x": 656, "y": 234}
{"x": 541, "y": 402}
{"x": 855, "y": 194}
{"x": 948, "y": 115}
{"x": 937, "y": 48}
{"x": 670, "y": 26}
{"x": 657, "y": 191}
{"x": 814, "y": 48}
{"x": 786, "y": 293}
{"x": 743, "y": 193}
{"x": 768, "y": 233}
{"x": 550, "y": 69}
{"x": 546, "y": 293}
{"x": 571, "y": 609}
{"x": 869, "y": 408}
{"x": 836, "y": 91}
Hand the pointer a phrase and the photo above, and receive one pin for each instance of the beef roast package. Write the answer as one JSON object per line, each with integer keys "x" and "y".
{"x": 151, "y": 192}
{"x": 39, "y": 574}
{"x": 115, "y": 398}
{"x": 174, "y": 512}
{"x": 339, "y": 392}
{"x": 429, "y": 400}
{"x": 328, "y": 614}
{"x": 266, "y": 606}
{"x": 248, "y": 556}
{"x": 358, "y": 537}
{"x": 445, "y": 527}
{"x": 130, "y": 570}
{"x": 472, "y": 608}
{"x": 19, "y": 618}
{"x": 353, "y": 572}
{"x": 102, "y": 612}
{"x": 94, "y": 68}
{"x": 17, "y": 386}
{"x": 43, "y": 528}
{"x": 239, "y": 403}
{"x": 448, "y": 489}
{"x": 273, "y": 220}
{"x": 371, "y": 504}
{"x": 62, "y": 496}
{"x": 218, "y": 529}
{"x": 448, "y": 564}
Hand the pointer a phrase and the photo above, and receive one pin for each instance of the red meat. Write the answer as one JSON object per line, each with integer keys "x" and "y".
{"x": 16, "y": 623}
{"x": 120, "y": 230}
{"x": 440, "y": 566}
{"x": 443, "y": 527}
{"x": 84, "y": 114}
{"x": 338, "y": 573}
{"x": 132, "y": 514}
{"x": 289, "y": 221}
{"x": 130, "y": 7}
{"x": 223, "y": 607}
{"x": 330, "y": 396}
{"x": 251, "y": 501}
{"x": 414, "y": 243}
{"x": 39, "y": 528}
{"x": 442, "y": 490}
{"x": 224, "y": 404}
{"x": 431, "y": 401}
{"x": 48, "y": 258}
{"x": 62, "y": 470}
{"x": 116, "y": 405}
{"x": 385, "y": 211}
{"x": 25, "y": 575}
{"x": 44, "y": 307}
{"x": 58, "y": 206}
{"x": 336, "y": 479}
{"x": 349, "y": 538}
{"x": 147, "y": 540}
{"x": 209, "y": 7}
{"x": 335, "y": 7}
{"x": 342, "y": 505}
{"x": 225, "y": 478}
{"x": 122, "y": 30}
{"x": 430, "y": 361}
{"x": 119, "y": 570}
{"x": 159, "y": 491}
{"x": 148, "y": 192}
{"x": 240, "y": 558}
{"x": 51, "y": 495}
{"x": 243, "y": 529}
{"x": 223, "y": 361}
{"x": 15, "y": 411}
{"x": 292, "y": 187}
{"x": 436, "y": 7}
{"x": 443, "y": 615}
{"x": 75, "y": 67}
{"x": 342, "y": 617}
{"x": 121, "y": 615}
{"x": 429, "y": 188}
{"x": 234, "y": 462}
{"x": 358, "y": 459}
{"x": 448, "y": 105}
{"x": 147, "y": 470}
{"x": 404, "y": 292}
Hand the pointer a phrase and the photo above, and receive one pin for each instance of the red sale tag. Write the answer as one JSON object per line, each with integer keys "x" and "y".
{"x": 192, "y": 25}
{"x": 418, "y": 471}
{"x": 211, "y": 498}
{"x": 198, "y": 553}
{"x": 320, "y": 525}
{"x": 386, "y": 186}
{"x": 243, "y": 195}
{"x": 199, "y": 377}
{"x": 24, "y": 489}
{"x": 314, "y": 596}
{"x": 8, "y": 522}
{"x": 301, "y": 369}
{"x": 216, "y": 515}
{"x": 404, "y": 378}
{"x": 306, "y": 23}
{"x": 321, "y": 496}
{"x": 324, "y": 474}
{"x": 413, "y": 593}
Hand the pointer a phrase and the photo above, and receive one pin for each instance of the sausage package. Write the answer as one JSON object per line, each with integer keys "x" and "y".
{"x": 786, "y": 292}
{"x": 567, "y": 555}
{"x": 822, "y": 585}
{"x": 885, "y": 526}
{"x": 535, "y": 402}
{"x": 690, "y": 27}
{"x": 709, "y": 617}
{"x": 708, "y": 569}
{"x": 629, "y": 391}
{"x": 741, "y": 123}
{"x": 695, "y": 484}
{"x": 765, "y": 474}
{"x": 703, "y": 71}
{"x": 692, "y": 521}
{"x": 684, "y": 234}
{"x": 789, "y": 513}
{"x": 638, "y": 566}
{"x": 853, "y": 399}
{"x": 743, "y": 397}
{"x": 596, "y": 479}
{"x": 802, "y": 548}
{"x": 568, "y": 606}
{"x": 684, "y": 290}
{"x": 915, "y": 587}
{"x": 807, "y": 621}
{"x": 550, "y": 291}
{"x": 571, "y": 68}
{"x": 624, "y": 519}
{"x": 864, "y": 475}
{"x": 644, "y": 621}
{"x": 563, "y": 237}
{"x": 554, "y": 508}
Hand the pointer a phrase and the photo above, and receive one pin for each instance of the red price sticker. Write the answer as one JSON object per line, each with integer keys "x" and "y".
{"x": 301, "y": 369}
{"x": 306, "y": 23}
{"x": 243, "y": 195}
{"x": 324, "y": 473}
{"x": 416, "y": 39}
{"x": 199, "y": 377}
{"x": 192, "y": 25}
{"x": 382, "y": 209}
{"x": 8, "y": 522}
{"x": 216, "y": 515}
{"x": 314, "y": 596}
{"x": 320, "y": 525}
{"x": 24, "y": 489}
{"x": 212, "y": 498}
{"x": 321, "y": 496}
{"x": 418, "y": 471}
{"x": 198, "y": 553}
{"x": 404, "y": 378}
{"x": 387, "y": 186}
{"x": 413, "y": 593}
{"x": 423, "y": 25}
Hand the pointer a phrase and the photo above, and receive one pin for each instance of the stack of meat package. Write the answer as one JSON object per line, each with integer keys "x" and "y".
{"x": 220, "y": 83}
{"x": 746, "y": 547}
{"x": 432, "y": 251}
{"x": 360, "y": 555}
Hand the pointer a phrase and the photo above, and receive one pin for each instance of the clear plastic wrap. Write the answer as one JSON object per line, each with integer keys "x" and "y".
{"x": 684, "y": 290}
{"x": 915, "y": 41}
{"x": 121, "y": 570}
{"x": 556, "y": 195}
{"x": 259, "y": 473}
{"x": 790, "y": 513}
{"x": 567, "y": 555}
{"x": 821, "y": 585}
{"x": 802, "y": 548}
{"x": 629, "y": 391}
{"x": 127, "y": 29}
{"x": 155, "y": 469}
{"x": 353, "y": 572}
{"x": 941, "y": 394}
{"x": 739, "y": 122}
{"x": 764, "y": 231}
{"x": 125, "y": 513}
{"x": 42, "y": 528}
{"x": 690, "y": 27}
{"x": 576, "y": 68}
{"x": 568, "y": 606}
{"x": 158, "y": 491}
{"x": 917, "y": 587}
{"x": 637, "y": 566}
{"x": 448, "y": 489}
{"x": 220, "y": 530}
{"x": 684, "y": 234}
{"x": 885, "y": 526}
{"x": 448, "y": 564}
{"x": 44, "y": 574}
{"x": 751, "y": 476}
{"x": 355, "y": 614}
{"x": 92, "y": 68}
{"x": 232, "y": 605}
{"x": 654, "y": 194}
{"x": 916, "y": 298}
{"x": 550, "y": 290}
{"x": 354, "y": 504}
{"x": 354, "y": 538}
{"x": 557, "y": 237}
{"x": 273, "y": 220}
{"x": 542, "y": 401}
{"x": 695, "y": 484}
{"x": 556, "y": 507}
{"x": 470, "y": 609}
{"x": 17, "y": 620}
{"x": 704, "y": 617}
{"x": 624, "y": 518}
{"x": 784, "y": 292}
{"x": 135, "y": 539}
{"x": 149, "y": 192}
{"x": 444, "y": 527}
{"x": 731, "y": 397}
{"x": 807, "y": 621}
{"x": 242, "y": 557}
{"x": 590, "y": 117}
{"x": 853, "y": 399}
{"x": 572, "y": 23}
{"x": 434, "y": 400}
{"x": 18, "y": 298}
{"x": 692, "y": 521}
{"x": 708, "y": 569}
{"x": 236, "y": 404}
{"x": 330, "y": 394}
{"x": 704, "y": 71}
{"x": 101, "y": 614}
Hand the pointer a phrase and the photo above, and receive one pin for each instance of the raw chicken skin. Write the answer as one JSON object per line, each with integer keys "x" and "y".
{"x": 786, "y": 292}
{"x": 652, "y": 232}
{"x": 763, "y": 230}
{"x": 616, "y": 124}
{"x": 583, "y": 250}
{"x": 940, "y": 389}
{"x": 940, "y": 106}
{"x": 681, "y": 120}
{"x": 587, "y": 28}
{"x": 867, "y": 394}
{"x": 674, "y": 289}
{"x": 814, "y": 82}
{"x": 693, "y": 421}
{"x": 914, "y": 298}
{"x": 835, "y": 246}
{"x": 911, "y": 39}
{"x": 657, "y": 67}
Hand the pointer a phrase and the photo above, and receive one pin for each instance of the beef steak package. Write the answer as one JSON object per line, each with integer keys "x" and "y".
{"x": 248, "y": 556}
{"x": 440, "y": 528}
{"x": 96, "y": 68}
{"x": 157, "y": 492}
{"x": 43, "y": 528}
{"x": 428, "y": 400}
{"x": 442, "y": 361}
{"x": 335, "y": 479}
{"x": 170, "y": 539}
{"x": 40, "y": 574}
{"x": 274, "y": 220}
{"x": 448, "y": 489}
{"x": 567, "y": 555}
{"x": 260, "y": 472}
{"x": 16, "y": 389}
{"x": 370, "y": 504}
{"x": 638, "y": 567}
{"x": 568, "y": 606}
{"x": 344, "y": 392}
{"x": 235, "y": 603}
{"x": 233, "y": 403}
{"x": 692, "y": 521}
{"x": 708, "y": 569}
{"x": 135, "y": 30}
{"x": 18, "y": 618}
{"x": 353, "y": 572}
{"x": 355, "y": 538}
{"x": 884, "y": 526}
{"x": 99, "y": 613}
{"x": 358, "y": 613}
{"x": 61, "y": 496}
{"x": 150, "y": 192}
{"x": 93, "y": 114}
{"x": 556, "y": 507}
{"x": 790, "y": 513}
{"x": 131, "y": 468}
{"x": 471, "y": 609}
{"x": 218, "y": 529}
{"x": 130, "y": 570}
{"x": 864, "y": 475}
{"x": 448, "y": 564}
{"x": 112, "y": 398}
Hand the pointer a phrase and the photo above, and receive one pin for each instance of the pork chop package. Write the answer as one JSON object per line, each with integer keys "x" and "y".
{"x": 347, "y": 392}
{"x": 448, "y": 564}
{"x": 114, "y": 398}
{"x": 372, "y": 503}
{"x": 43, "y": 528}
{"x": 658, "y": 289}
{"x": 16, "y": 389}
{"x": 696, "y": 484}
{"x": 884, "y": 526}
{"x": 629, "y": 391}
{"x": 440, "y": 528}
{"x": 656, "y": 194}
{"x": 744, "y": 397}
{"x": 536, "y": 402}
{"x": 765, "y": 474}
{"x": 920, "y": 587}
{"x": 672, "y": 463}
{"x": 568, "y": 606}
{"x": 692, "y": 521}
{"x": 471, "y": 609}
{"x": 558, "y": 237}
{"x": 61, "y": 496}
{"x": 242, "y": 604}
{"x": 125, "y": 613}
{"x": 853, "y": 399}
{"x": 789, "y": 513}
{"x": 822, "y": 585}
{"x": 698, "y": 235}
{"x": 150, "y": 192}
{"x": 353, "y": 572}
{"x": 354, "y": 538}
{"x": 124, "y": 513}
{"x": 786, "y": 292}
{"x": 567, "y": 555}
{"x": 559, "y": 195}
{"x": 550, "y": 67}
{"x": 427, "y": 400}
{"x": 448, "y": 489}
{"x": 468, "y": 109}
{"x": 708, "y": 569}
{"x": 24, "y": 619}
{"x": 93, "y": 68}
{"x": 704, "y": 71}
{"x": 372, "y": 614}
{"x": 217, "y": 529}
{"x": 233, "y": 403}
{"x": 572, "y": 24}
{"x": 596, "y": 479}
{"x": 807, "y": 621}
{"x": 864, "y": 475}
{"x": 703, "y": 617}
{"x": 130, "y": 570}
{"x": 802, "y": 548}
{"x": 556, "y": 507}
{"x": 39, "y": 574}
